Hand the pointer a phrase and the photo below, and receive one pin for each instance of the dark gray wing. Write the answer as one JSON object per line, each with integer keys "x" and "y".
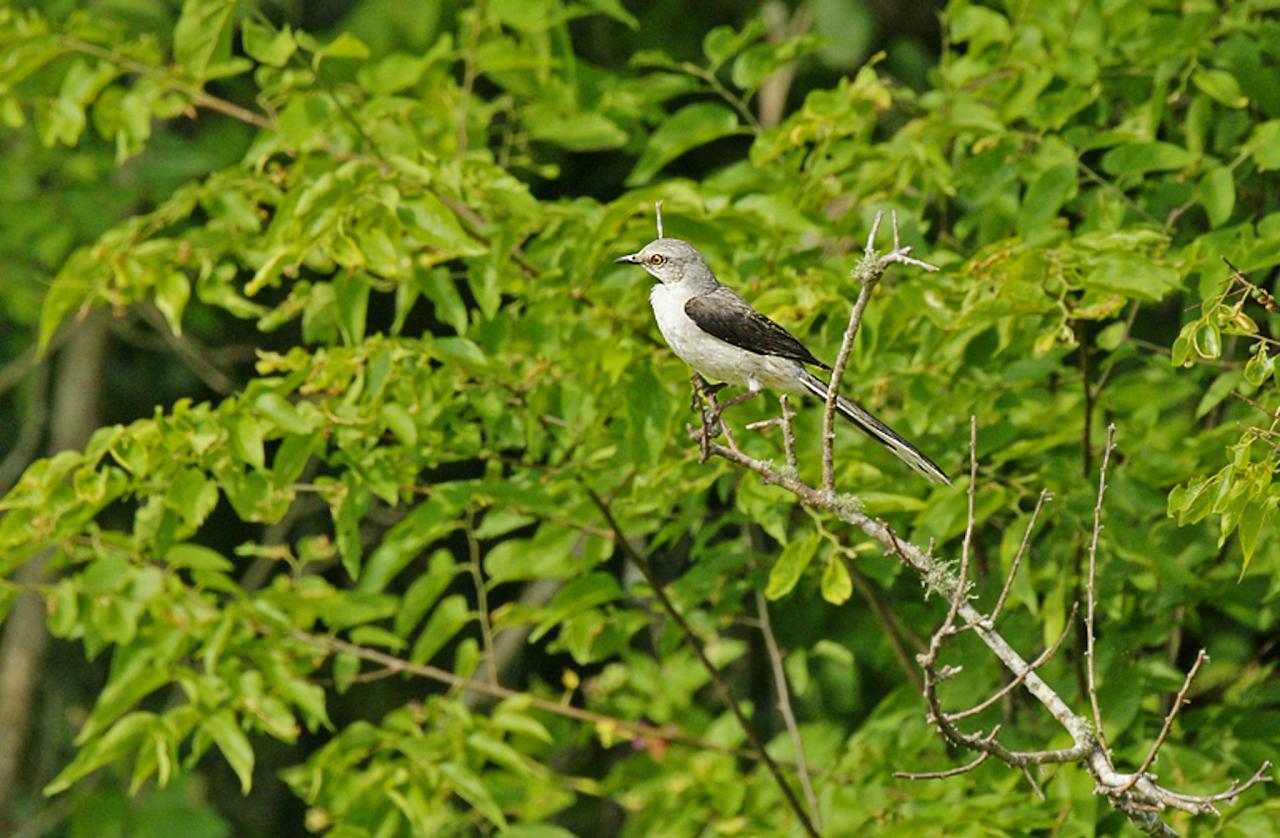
{"x": 729, "y": 317}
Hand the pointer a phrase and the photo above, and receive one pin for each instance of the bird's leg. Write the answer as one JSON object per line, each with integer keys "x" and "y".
{"x": 703, "y": 391}
{"x": 703, "y": 403}
{"x": 717, "y": 415}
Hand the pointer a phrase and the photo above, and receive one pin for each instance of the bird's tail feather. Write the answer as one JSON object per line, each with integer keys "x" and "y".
{"x": 879, "y": 431}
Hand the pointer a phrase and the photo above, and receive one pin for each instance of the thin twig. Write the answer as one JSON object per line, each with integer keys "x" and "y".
{"x": 190, "y": 351}
{"x": 568, "y": 711}
{"x": 983, "y": 756}
{"x": 869, "y": 277}
{"x": 1017, "y": 557}
{"x": 691, "y": 638}
{"x": 197, "y": 96}
{"x": 1091, "y": 593}
{"x": 789, "y": 431}
{"x": 1202, "y": 657}
{"x": 784, "y": 707}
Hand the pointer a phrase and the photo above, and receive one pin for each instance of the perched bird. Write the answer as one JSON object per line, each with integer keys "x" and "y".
{"x": 724, "y": 339}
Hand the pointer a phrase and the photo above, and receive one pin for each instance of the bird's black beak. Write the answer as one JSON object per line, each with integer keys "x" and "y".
{"x": 629, "y": 259}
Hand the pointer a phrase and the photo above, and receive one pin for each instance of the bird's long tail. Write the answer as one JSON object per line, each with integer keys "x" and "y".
{"x": 879, "y": 431}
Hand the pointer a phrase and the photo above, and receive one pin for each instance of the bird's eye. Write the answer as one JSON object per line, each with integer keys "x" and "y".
{"x": 656, "y": 259}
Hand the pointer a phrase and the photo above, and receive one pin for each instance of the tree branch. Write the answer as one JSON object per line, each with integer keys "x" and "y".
{"x": 784, "y": 707}
{"x": 1137, "y": 796}
{"x": 726, "y": 692}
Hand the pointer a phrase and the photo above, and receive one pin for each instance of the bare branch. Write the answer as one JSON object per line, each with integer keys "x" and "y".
{"x": 1091, "y": 592}
{"x": 1142, "y": 801}
{"x": 1202, "y": 657}
{"x": 784, "y": 707}
{"x": 942, "y": 775}
{"x": 1017, "y": 558}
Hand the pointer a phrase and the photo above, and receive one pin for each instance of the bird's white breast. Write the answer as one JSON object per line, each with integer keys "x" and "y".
{"x": 714, "y": 358}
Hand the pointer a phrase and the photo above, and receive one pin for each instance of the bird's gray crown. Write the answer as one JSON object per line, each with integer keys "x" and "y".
{"x": 673, "y": 261}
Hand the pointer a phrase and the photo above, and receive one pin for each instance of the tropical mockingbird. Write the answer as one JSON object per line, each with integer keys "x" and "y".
{"x": 724, "y": 339}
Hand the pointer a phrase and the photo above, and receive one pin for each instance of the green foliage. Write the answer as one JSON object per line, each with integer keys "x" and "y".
{"x": 446, "y": 361}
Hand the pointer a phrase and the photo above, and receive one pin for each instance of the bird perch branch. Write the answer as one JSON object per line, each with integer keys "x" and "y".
{"x": 1135, "y": 794}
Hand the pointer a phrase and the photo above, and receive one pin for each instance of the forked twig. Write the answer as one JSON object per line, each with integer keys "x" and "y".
{"x": 1017, "y": 558}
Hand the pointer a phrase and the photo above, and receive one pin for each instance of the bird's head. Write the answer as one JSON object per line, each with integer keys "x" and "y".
{"x": 670, "y": 261}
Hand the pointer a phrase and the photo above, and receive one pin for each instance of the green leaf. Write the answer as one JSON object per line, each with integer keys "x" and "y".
{"x": 1131, "y": 274}
{"x": 689, "y": 127}
{"x": 266, "y": 45}
{"x": 281, "y": 411}
{"x": 400, "y": 422}
{"x": 461, "y": 351}
{"x": 346, "y": 45}
{"x": 1141, "y": 158}
{"x": 111, "y": 747}
{"x": 837, "y": 587}
{"x": 1208, "y": 341}
{"x": 352, "y": 297}
{"x": 222, "y": 728}
{"x": 445, "y": 621}
{"x": 202, "y": 36}
{"x": 135, "y": 674}
{"x": 425, "y": 590}
{"x": 724, "y": 42}
{"x": 1250, "y": 528}
{"x": 1221, "y": 86}
{"x": 197, "y": 557}
{"x": 427, "y": 522}
{"x": 1217, "y": 193}
{"x": 470, "y": 788}
{"x": 438, "y": 286}
{"x": 173, "y": 289}
{"x": 1045, "y": 196}
{"x": 247, "y": 440}
{"x": 67, "y": 293}
{"x": 1263, "y": 144}
{"x": 579, "y": 595}
{"x": 753, "y": 67}
{"x": 434, "y": 225}
{"x": 577, "y": 131}
{"x": 786, "y": 572}
{"x": 549, "y": 554}
{"x": 613, "y": 9}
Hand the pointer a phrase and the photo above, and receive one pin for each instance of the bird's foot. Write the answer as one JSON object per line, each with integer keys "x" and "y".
{"x": 703, "y": 392}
